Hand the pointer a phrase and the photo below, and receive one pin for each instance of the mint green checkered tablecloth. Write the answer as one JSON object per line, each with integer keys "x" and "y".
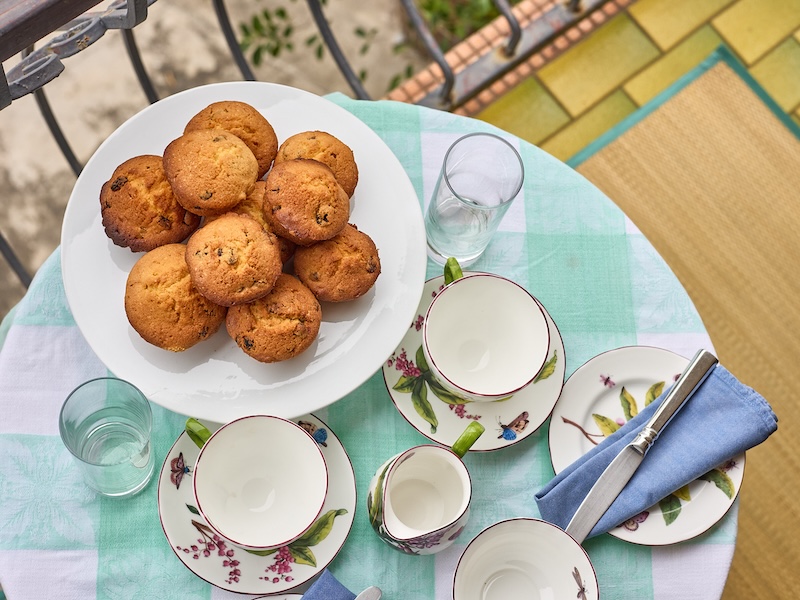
{"x": 602, "y": 282}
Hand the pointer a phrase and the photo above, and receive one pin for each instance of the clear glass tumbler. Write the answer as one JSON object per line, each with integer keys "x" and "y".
{"x": 481, "y": 175}
{"x": 106, "y": 424}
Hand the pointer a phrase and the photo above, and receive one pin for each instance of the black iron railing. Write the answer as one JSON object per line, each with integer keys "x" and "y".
{"x": 23, "y": 23}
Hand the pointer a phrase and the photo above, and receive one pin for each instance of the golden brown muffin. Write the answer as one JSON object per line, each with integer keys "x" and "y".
{"x": 162, "y": 304}
{"x": 138, "y": 208}
{"x": 210, "y": 170}
{"x": 340, "y": 269}
{"x": 246, "y": 123}
{"x": 304, "y": 203}
{"x": 253, "y": 206}
{"x": 233, "y": 259}
{"x": 278, "y": 326}
{"x": 327, "y": 149}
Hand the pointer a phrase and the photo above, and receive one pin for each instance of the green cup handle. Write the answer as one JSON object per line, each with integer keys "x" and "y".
{"x": 465, "y": 441}
{"x": 198, "y": 432}
{"x": 452, "y": 271}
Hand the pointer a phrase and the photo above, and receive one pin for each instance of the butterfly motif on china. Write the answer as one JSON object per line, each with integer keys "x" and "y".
{"x": 320, "y": 434}
{"x": 731, "y": 464}
{"x": 179, "y": 468}
{"x": 632, "y": 524}
{"x": 514, "y": 428}
{"x": 581, "y": 584}
{"x": 607, "y": 381}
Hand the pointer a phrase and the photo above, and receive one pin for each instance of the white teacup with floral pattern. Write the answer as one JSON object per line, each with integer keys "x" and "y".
{"x": 485, "y": 337}
{"x": 418, "y": 500}
{"x": 259, "y": 482}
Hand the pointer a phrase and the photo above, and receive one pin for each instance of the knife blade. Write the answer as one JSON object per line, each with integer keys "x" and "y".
{"x": 617, "y": 474}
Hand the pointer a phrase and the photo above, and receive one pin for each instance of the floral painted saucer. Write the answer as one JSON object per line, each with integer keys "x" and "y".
{"x": 442, "y": 418}
{"x": 265, "y": 572}
{"x": 598, "y": 398}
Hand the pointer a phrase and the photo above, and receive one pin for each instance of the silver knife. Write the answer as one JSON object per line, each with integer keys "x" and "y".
{"x": 617, "y": 474}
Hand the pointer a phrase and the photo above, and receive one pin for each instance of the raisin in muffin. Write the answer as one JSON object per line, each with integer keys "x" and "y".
{"x": 327, "y": 149}
{"x": 304, "y": 203}
{"x": 233, "y": 259}
{"x": 163, "y": 305}
{"x": 210, "y": 170}
{"x": 139, "y": 210}
{"x": 340, "y": 269}
{"x": 246, "y": 123}
{"x": 278, "y": 326}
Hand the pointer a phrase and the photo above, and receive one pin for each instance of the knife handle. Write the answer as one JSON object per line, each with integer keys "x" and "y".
{"x": 692, "y": 377}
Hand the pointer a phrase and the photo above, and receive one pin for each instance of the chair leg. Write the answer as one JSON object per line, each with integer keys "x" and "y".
{"x": 138, "y": 66}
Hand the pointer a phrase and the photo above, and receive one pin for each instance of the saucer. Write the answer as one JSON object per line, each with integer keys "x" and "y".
{"x": 593, "y": 399}
{"x": 270, "y": 572}
{"x": 507, "y": 422}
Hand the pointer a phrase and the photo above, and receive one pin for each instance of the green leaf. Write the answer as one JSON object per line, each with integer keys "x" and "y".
{"x": 607, "y": 426}
{"x": 419, "y": 358}
{"x": 376, "y": 505}
{"x": 258, "y": 26}
{"x": 452, "y": 271}
{"x": 670, "y": 508}
{"x": 548, "y": 369}
{"x": 319, "y": 530}
{"x": 654, "y": 392}
{"x": 419, "y": 398}
{"x": 683, "y": 493}
{"x": 280, "y": 12}
{"x": 258, "y": 55}
{"x": 442, "y": 393}
{"x": 303, "y": 555}
{"x": 192, "y": 509}
{"x": 405, "y": 384}
{"x": 720, "y": 478}
{"x": 628, "y": 402}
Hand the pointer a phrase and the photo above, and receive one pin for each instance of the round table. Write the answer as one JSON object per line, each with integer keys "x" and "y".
{"x": 601, "y": 281}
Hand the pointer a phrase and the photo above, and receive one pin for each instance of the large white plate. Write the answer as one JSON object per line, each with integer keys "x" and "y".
{"x": 595, "y": 388}
{"x": 215, "y": 380}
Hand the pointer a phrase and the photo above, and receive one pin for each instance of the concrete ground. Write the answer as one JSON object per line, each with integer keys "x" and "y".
{"x": 182, "y": 46}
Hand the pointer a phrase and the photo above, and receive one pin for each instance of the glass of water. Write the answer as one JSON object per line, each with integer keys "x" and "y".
{"x": 106, "y": 423}
{"x": 481, "y": 175}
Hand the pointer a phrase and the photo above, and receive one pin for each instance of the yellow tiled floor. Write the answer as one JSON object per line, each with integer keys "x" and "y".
{"x": 592, "y": 86}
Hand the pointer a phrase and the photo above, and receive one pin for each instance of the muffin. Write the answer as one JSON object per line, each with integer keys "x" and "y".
{"x": 233, "y": 259}
{"x": 210, "y": 170}
{"x": 304, "y": 203}
{"x": 327, "y": 149}
{"x": 139, "y": 210}
{"x": 278, "y": 326}
{"x": 163, "y": 305}
{"x": 246, "y": 123}
{"x": 253, "y": 206}
{"x": 340, "y": 269}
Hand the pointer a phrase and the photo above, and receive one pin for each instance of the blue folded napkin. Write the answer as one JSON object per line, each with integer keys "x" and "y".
{"x": 720, "y": 421}
{"x": 327, "y": 587}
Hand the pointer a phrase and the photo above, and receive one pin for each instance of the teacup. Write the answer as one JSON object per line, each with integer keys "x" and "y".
{"x": 418, "y": 500}
{"x": 524, "y": 558}
{"x": 259, "y": 482}
{"x": 485, "y": 337}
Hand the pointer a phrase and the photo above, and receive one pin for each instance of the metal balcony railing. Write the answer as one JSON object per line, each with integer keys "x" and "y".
{"x": 77, "y": 25}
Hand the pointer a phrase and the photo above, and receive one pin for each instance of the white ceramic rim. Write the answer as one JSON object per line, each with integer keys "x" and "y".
{"x": 210, "y": 522}
{"x": 460, "y": 466}
{"x": 478, "y": 395}
{"x": 214, "y": 380}
{"x": 510, "y": 523}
